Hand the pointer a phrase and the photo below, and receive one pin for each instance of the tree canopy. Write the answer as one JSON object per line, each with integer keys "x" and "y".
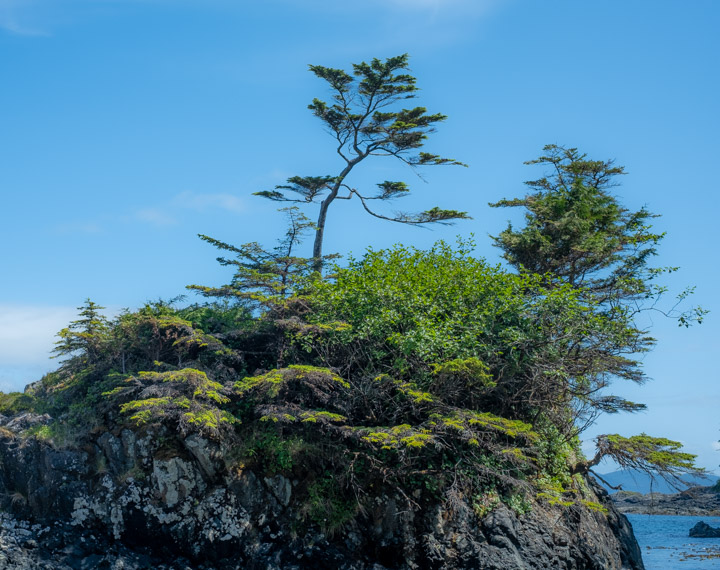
{"x": 577, "y": 234}
{"x": 84, "y": 339}
{"x": 366, "y": 120}
{"x": 422, "y": 374}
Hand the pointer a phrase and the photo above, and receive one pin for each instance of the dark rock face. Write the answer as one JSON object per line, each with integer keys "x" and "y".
{"x": 123, "y": 501}
{"x": 704, "y": 530}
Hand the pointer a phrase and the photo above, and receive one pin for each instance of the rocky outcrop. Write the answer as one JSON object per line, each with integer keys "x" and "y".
{"x": 134, "y": 499}
{"x": 704, "y": 530}
{"x": 696, "y": 501}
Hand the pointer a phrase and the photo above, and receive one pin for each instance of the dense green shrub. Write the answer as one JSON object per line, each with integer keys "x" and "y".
{"x": 427, "y": 374}
{"x": 16, "y": 402}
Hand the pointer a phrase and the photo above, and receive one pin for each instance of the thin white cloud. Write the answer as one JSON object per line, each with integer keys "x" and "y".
{"x": 432, "y": 4}
{"x": 715, "y": 445}
{"x": 156, "y": 217}
{"x": 202, "y": 202}
{"x": 27, "y": 333}
{"x": 441, "y": 9}
{"x": 416, "y": 5}
{"x": 79, "y": 228}
{"x": 11, "y": 19}
{"x": 15, "y": 14}
{"x": 27, "y": 338}
{"x": 172, "y": 212}
{"x": 13, "y": 27}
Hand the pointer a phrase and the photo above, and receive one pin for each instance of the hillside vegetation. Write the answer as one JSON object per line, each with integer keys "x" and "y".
{"x": 429, "y": 374}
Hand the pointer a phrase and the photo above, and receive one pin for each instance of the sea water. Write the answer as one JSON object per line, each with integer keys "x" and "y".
{"x": 666, "y": 545}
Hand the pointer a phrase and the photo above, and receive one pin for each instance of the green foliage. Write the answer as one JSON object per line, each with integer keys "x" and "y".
{"x": 42, "y": 432}
{"x": 405, "y": 414}
{"x": 411, "y": 309}
{"x": 327, "y": 506}
{"x": 217, "y": 318}
{"x": 403, "y": 435}
{"x": 468, "y": 421}
{"x": 271, "y": 382}
{"x": 485, "y": 502}
{"x": 321, "y": 415}
{"x": 407, "y": 389}
{"x": 84, "y": 339}
{"x": 462, "y": 379}
{"x": 576, "y": 232}
{"x": 653, "y": 455}
{"x": 595, "y": 506}
{"x": 470, "y": 368}
{"x": 186, "y": 398}
{"x": 476, "y": 336}
{"x": 458, "y": 428}
{"x": 364, "y": 119}
{"x": 263, "y": 278}
{"x": 74, "y": 398}
{"x": 424, "y": 374}
{"x": 518, "y": 502}
{"x": 15, "y": 402}
{"x": 63, "y": 435}
{"x": 149, "y": 335}
{"x": 158, "y": 337}
{"x": 264, "y": 447}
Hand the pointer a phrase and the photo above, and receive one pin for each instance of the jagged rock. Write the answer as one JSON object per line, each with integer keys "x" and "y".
{"x": 280, "y": 487}
{"x": 176, "y": 479}
{"x": 126, "y": 500}
{"x": 114, "y": 451}
{"x": 704, "y": 530}
{"x": 24, "y": 421}
{"x": 205, "y": 453}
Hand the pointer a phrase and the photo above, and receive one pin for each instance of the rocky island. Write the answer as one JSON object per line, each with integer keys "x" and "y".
{"x": 411, "y": 409}
{"x": 130, "y": 499}
{"x": 704, "y": 530}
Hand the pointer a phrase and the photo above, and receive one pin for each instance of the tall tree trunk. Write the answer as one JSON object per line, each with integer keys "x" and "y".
{"x": 319, "y": 233}
{"x": 324, "y": 205}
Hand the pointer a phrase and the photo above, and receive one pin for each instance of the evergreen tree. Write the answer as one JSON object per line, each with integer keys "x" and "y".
{"x": 577, "y": 234}
{"x": 85, "y": 338}
{"x": 263, "y": 278}
{"x": 364, "y": 120}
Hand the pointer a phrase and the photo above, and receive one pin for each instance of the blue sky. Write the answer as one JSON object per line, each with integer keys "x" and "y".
{"x": 127, "y": 127}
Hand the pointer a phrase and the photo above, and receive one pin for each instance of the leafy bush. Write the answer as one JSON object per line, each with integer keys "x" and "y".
{"x": 186, "y": 398}
{"x": 426, "y": 374}
{"x": 16, "y": 402}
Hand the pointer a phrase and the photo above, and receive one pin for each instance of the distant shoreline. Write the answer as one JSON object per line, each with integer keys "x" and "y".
{"x": 695, "y": 501}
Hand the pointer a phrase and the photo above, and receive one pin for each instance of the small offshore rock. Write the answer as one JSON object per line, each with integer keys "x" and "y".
{"x": 704, "y": 530}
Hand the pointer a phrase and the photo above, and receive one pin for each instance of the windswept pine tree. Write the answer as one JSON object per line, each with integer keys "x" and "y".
{"x": 366, "y": 119}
